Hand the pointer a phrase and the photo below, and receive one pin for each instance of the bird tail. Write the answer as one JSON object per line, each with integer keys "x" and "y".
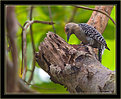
{"x": 100, "y": 55}
{"x": 107, "y": 47}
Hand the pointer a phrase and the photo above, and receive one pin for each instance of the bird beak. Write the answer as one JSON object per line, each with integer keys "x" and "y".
{"x": 68, "y": 36}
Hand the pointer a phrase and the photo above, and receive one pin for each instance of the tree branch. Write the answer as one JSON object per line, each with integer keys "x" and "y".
{"x": 25, "y": 26}
{"x": 76, "y": 69}
{"x": 73, "y": 14}
{"x": 28, "y": 23}
{"x": 24, "y": 56}
{"x": 12, "y": 68}
{"x": 33, "y": 46}
{"x": 101, "y": 11}
{"x": 51, "y": 18}
{"x": 99, "y": 20}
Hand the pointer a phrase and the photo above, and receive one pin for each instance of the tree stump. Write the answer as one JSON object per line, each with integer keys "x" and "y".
{"x": 74, "y": 67}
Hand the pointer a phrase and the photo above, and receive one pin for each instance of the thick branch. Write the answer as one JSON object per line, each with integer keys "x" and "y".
{"x": 11, "y": 24}
{"x": 77, "y": 69}
{"x": 13, "y": 84}
{"x": 99, "y": 20}
{"x": 97, "y": 10}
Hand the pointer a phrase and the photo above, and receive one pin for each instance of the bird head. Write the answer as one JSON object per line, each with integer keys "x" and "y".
{"x": 69, "y": 29}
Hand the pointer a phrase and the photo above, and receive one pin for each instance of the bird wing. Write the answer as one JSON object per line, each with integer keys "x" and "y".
{"x": 93, "y": 33}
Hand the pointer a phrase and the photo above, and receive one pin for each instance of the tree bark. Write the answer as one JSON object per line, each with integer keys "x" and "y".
{"x": 13, "y": 82}
{"x": 11, "y": 25}
{"x": 75, "y": 67}
{"x": 99, "y": 20}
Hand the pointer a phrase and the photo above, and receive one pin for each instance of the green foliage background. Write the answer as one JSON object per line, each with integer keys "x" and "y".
{"x": 60, "y": 14}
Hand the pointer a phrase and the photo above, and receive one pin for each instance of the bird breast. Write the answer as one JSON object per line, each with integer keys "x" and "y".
{"x": 81, "y": 36}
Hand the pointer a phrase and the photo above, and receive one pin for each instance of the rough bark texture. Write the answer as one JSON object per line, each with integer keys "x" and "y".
{"x": 99, "y": 20}
{"x": 13, "y": 83}
{"x": 12, "y": 70}
{"x": 76, "y": 67}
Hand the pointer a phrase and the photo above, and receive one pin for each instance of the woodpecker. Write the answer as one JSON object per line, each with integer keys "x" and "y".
{"x": 88, "y": 35}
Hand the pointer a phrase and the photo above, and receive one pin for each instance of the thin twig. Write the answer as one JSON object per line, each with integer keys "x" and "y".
{"x": 33, "y": 46}
{"x": 22, "y": 46}
{"x": 73, "y": 14}
{"x": 29, "y": 70}
{"x": 36, "y": 21}
{"x": 51, "y": 18}
{"x": 24, "y": 58}
{"x": 22, "y": 51}
{"x": 97, "y": 11}
{"x": 24, "y": 88}
{"x": 24, "y": 54}
{"x": 25, "y": 26}
{"x": 23, "y": 30}
{"x": 19, "y": 24}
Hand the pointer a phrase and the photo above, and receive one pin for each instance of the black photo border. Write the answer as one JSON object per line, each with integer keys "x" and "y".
{"x": 3, "y": 3}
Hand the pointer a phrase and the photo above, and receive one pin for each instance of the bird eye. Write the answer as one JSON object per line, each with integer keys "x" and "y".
{"x": 66, "y": 29}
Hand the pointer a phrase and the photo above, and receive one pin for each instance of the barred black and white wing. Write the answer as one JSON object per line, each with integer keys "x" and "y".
{"x": 93, "y": 33}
